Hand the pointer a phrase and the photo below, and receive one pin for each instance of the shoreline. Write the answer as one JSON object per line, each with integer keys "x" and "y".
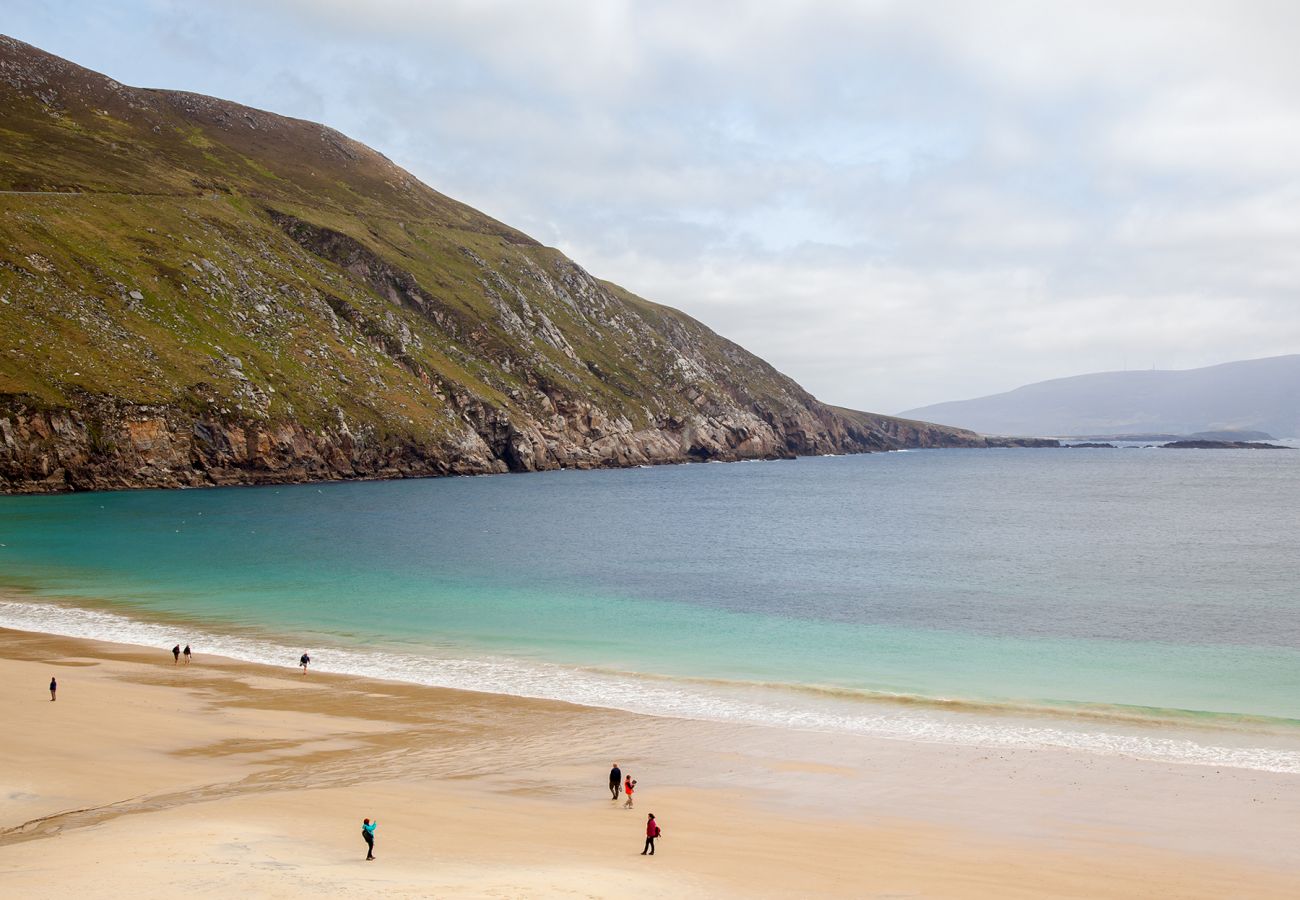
{"x": 482, "y": 792}
{"x": 1217, "y": 740}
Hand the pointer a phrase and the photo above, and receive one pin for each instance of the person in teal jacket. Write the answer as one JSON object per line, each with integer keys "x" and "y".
{"x": 368, "y": 832}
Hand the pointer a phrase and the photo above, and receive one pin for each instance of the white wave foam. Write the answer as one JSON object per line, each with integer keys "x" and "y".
{"x": 765, "y": 707}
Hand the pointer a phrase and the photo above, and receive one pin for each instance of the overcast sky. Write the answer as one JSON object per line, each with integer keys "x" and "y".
{"x": 894, "y": 203}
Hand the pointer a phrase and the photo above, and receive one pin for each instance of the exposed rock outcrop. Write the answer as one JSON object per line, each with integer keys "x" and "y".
{"x": 1222, "y": 445}
{"x": 103, "y": 444}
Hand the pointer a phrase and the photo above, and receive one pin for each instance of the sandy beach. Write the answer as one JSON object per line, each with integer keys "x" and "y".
{"x": 224, "y": 778}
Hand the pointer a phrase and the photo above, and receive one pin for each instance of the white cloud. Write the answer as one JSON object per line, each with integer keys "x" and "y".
{"x": 1214, "y": 130}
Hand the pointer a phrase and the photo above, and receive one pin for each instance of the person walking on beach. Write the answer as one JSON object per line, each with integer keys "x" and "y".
{"x": 303, "y": 661}
{"x": 615, "y": 781}
{"x": 651, "y": 832}
{"x": 368, "y": 832}
{"x": 186, "y": 651}
{"x": 54, "y": 687}
{"x": 628, "y": 786}
{"x": 176, "y": 654}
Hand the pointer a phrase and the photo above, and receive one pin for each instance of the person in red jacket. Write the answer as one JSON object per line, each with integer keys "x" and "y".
{"x": 651, "y": 832}
{"x": 628, "y": 786}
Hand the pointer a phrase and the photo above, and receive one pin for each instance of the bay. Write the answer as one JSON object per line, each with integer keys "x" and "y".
{"x": 1123, "y": 585}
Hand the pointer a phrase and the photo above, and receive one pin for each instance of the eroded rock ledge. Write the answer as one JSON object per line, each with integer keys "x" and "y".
{"x": 109, "y": 445}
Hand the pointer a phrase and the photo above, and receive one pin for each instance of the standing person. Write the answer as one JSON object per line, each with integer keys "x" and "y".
{"x": 651, "y": 832}
{"x": 176, "y": 654}
{"x": 303, "y": 661}
{"x": 628, "y": 786}
{"x": 368, "y": 832}
{"x": 186, "y": 651}
{"x": 54, "y": 687}
{"x": 615, "y": 781}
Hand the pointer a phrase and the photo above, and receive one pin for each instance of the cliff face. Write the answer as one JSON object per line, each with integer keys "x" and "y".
{"x": 105, "y": 444}
{"x": 193, "y": 292}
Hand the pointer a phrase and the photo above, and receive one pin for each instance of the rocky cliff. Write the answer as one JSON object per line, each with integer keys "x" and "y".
{"x": 193, "y": 292}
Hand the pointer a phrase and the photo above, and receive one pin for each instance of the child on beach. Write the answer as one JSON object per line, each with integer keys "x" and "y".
{"x": 54, "y": 686}
{"x": 368, "y": 832}
{"x": 628, "y": 786}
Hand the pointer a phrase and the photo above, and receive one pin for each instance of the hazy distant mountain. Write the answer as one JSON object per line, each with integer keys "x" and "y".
{"x": 1251, "y": 395}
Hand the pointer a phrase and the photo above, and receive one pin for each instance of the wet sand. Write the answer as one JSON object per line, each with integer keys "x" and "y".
{"x": 224, "y": 778}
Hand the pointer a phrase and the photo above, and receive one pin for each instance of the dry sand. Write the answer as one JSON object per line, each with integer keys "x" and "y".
{"x": 224, "y": 779}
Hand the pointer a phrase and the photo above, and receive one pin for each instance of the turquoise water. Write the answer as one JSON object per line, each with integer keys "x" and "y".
{"x": 1092, "y": 584}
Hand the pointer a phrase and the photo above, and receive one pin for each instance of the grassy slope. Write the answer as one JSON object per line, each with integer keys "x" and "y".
{"x": 157, "y": 273}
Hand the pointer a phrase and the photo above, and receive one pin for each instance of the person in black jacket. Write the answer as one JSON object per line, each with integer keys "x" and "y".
{"x": 615, "y": 782}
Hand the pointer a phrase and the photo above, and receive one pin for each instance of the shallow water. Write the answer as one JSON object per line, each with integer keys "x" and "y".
{"x": 1092, "y": 599}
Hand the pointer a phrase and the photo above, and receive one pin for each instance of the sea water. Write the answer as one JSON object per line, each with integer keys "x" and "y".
{"x": 1143, "y": 602}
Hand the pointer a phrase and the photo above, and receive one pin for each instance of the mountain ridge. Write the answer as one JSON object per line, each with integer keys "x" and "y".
{"x": 1255, "y": 395}
{"x": 195, "y": 292}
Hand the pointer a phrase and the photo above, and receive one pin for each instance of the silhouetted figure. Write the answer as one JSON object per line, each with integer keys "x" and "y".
{"x": 368, "y": 832}
{"x": 176, "y": 654}
{"x": 54, "y": 688}
{"x": 651, "y": 832}
{"x": 303, "y": 661}
{"x": 615, "y": 781}
{"x": 187, "y": 653}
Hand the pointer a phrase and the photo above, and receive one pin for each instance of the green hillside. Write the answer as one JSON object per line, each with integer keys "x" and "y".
{"x": 195, "y": 292}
